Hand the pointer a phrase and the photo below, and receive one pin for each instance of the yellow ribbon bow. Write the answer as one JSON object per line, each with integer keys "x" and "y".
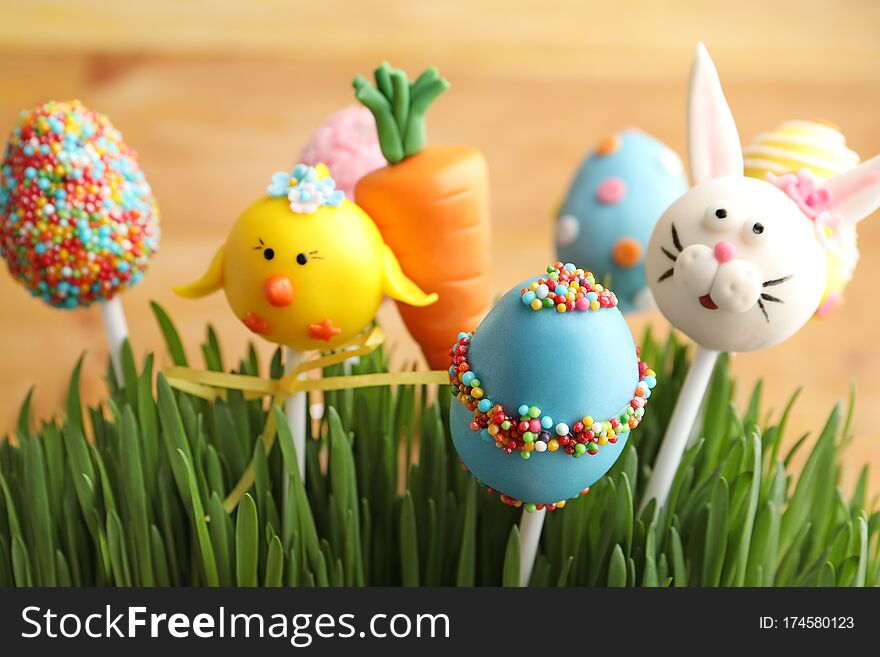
{"x": 211, "y": 385}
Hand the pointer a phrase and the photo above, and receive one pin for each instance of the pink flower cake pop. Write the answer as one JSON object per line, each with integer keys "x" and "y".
{"x": 78, "y": 221}
{"x": 348, "y": 145}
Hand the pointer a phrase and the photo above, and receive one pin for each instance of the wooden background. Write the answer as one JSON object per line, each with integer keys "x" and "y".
{"x": 218, "y": 95}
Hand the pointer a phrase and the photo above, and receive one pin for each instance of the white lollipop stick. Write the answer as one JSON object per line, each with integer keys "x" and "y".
{"x": 683, "y": 416}
{"x": 530, "y": 526}
{"x": 295, "y": 410}
{"x": 117, "y": 332}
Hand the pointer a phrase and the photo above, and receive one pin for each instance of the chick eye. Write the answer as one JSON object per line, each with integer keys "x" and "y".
{"x": 302, "y": 258}
{"x": 268, "y": 254}
{"x": 718, "y": 217}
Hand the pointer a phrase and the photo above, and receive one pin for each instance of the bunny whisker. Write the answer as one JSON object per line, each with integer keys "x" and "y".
{"x": 668, "y": 254}
{"x": 775, "y": 281}
{"x": 675, "y": 240}
{"x": 763, "y": 310}
{"x": 667, "y": 274}
{"x": 768, "y": 297}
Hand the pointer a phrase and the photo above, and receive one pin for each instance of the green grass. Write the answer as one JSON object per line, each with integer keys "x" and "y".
{"x": 142, "y": 503}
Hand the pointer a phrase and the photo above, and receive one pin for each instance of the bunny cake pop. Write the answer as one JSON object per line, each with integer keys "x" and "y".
{"x": 737, "y": 263}
{"x": 547, "y": 389}
{"x": 813, "y": 151}
{"x": 616, "y": 197}
{"x": 348, "y": 144}
{"x": 305, "y": 267}
{"x": 78, "y": 221}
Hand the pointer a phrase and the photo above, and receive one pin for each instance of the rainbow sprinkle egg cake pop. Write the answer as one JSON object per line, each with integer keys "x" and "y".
{"x": 78, "y": 221}
{"x": 548, "y": 388}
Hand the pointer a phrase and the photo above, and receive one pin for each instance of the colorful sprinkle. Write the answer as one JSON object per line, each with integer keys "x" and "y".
{"x": 511, "y": 501}
{"x": 567, "y": 288}
{"x": 78, "y": 221}
{"x": 530, "y": 430}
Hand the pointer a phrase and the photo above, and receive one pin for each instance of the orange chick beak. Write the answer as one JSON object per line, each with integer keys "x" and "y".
{"x": 278, "y": 291}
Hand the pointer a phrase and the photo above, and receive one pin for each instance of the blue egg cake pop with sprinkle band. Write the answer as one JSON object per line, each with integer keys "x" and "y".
{"x": 547, "y": 388}
{"x": 618, "y": 194}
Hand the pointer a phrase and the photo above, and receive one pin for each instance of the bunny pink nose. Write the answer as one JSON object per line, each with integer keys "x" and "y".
{"x": 724, "y": 251}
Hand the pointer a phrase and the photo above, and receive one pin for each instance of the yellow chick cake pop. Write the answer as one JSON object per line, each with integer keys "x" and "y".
{"x": 807, "y": 149}
{"x": 305, "y": 267}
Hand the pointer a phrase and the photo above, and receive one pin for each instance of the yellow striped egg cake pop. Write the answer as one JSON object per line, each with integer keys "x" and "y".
{"x": 820, "y": 148}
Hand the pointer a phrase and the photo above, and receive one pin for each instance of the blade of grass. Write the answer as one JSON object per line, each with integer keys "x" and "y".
{"x": 209, "y": 563}
{"x": 409, "y": 550}
{"x": 169, "y": 332}
{"x": 246, "y": 542}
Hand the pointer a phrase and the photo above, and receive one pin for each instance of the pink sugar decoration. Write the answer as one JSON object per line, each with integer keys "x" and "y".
{"x": 813, "y": 202}
{"x": 611, "y": 190}
{"x": 348, "y": 144}
{"x": 801, "y": 188}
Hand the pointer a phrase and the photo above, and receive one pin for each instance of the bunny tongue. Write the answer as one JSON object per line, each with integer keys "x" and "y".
{"x": 706, "y": 302}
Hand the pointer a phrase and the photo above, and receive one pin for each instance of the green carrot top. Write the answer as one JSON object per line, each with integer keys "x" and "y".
{"x": 399, "y": 107}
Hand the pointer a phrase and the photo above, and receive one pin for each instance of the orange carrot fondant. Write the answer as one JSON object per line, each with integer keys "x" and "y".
{"x": 431, "y": 205}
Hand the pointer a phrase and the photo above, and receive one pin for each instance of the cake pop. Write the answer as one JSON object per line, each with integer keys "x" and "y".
{"x": 348, "y": 145}
{"x": 820, "y": 149}
{"x": 540, "y": 432}
{"x": 740, "y": 264}
{"x": 305, "y": 268}
{"x": 431, "y": 204}
{"x": 78, "y": 221}
{"x": 616, "y": 197}
{"x": 547, "y": 388}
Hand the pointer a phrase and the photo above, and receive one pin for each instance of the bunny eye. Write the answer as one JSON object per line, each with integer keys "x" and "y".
{"x": 754, "y": 232}
{"x": 718, "y": 217}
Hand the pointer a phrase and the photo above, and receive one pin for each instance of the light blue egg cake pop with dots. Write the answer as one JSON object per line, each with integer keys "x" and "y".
{"x": 618, "y": 194}
{"x": 547, "y": 389}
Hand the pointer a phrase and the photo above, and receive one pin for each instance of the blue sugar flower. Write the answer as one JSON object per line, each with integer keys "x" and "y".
{"x": 306, "y": 189}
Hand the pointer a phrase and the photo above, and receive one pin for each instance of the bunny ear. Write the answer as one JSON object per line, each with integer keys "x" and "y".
{"x": 856, "y": 193}
{"x": 713, "y": 141}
